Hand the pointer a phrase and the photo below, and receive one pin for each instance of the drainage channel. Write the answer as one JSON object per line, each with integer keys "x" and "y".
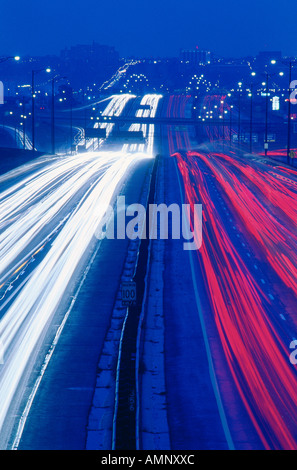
{"x": 125, "y": 432}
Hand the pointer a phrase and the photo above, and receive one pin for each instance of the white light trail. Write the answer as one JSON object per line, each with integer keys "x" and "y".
{"x": 50, "y": 210}
{"x": 114, "y": 108}
{"x": 83, "y": 194}
{"x": 151, "y": 100}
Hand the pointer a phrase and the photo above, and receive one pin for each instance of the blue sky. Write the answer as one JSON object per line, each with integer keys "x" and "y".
{"x": 149, "y": 27}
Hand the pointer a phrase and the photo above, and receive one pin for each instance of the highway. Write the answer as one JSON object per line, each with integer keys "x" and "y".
{"x": 213, "y": 345}
{"x": 50, "y": 211}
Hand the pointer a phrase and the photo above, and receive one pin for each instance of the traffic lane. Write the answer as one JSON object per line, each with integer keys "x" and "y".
{"x": 193, "y": 415}
{"x": 26, "y": 318}
{"x": 267, "y": 236}
{"x": 267, "y": 210}
{"x": 34, "y": 213}
{"x": 286, "y": 176}
{"x": 116, "y": 168}
{"x": 28, "y": 218}
{"x": 247, "y": 341}
{"x": 241, "y": 427}
{"x": 152, "y": 101}
{"x": 59, "y": 413}
{"x": 288, "y": 330}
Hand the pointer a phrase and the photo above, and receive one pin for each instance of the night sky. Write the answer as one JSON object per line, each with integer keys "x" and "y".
{"x": 149, "y": 27}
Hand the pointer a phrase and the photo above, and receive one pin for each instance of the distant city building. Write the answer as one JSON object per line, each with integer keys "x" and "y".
{"x": 195, "y": 56}
{"x": 89, "y": 64}
{"x": 91, "y": 52}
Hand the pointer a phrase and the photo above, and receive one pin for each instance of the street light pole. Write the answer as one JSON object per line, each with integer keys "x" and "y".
{"x": 223, "y": 127}
{"x": 223, "y": 118}
{"x": 267, "y": 106}
{"x": 24, "y": 134}
{"x": 53, "y": 124}
{"x": 231, "y": 107}
{"x": 71, "y": 121}
{"x": 239, "y": 118}
{"x": 48, "y": 70}
{"x": 24, "y": 122}
{"x": 289, "y": 116}
{"x": 33, "y": 110}
{"x": 266, "y": 114}
{"x": 290, "y": 64}
{"x": 53, "y": 117}
{"x": 251, "y": 120}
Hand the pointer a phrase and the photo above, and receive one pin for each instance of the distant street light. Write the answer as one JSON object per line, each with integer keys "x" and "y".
{"x": 34, "y": 72}
{"x": 54, "y": 80}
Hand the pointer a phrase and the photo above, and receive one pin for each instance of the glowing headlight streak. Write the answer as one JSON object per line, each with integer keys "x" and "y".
{"x": 77, "y": 189}
{"x": 151, "y": 100}
{"x": 26, "y": 318}
{"x": 114, "y": 108}
{"x": 17, "y": 235}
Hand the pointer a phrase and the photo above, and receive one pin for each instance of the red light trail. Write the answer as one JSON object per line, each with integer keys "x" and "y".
{"x": 256, "y": 355}
{"x": 263, "y": 202}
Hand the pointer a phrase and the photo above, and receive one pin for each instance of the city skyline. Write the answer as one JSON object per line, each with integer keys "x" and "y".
{"x": 235, "y": 30}
{"x": 77, "y": 50}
